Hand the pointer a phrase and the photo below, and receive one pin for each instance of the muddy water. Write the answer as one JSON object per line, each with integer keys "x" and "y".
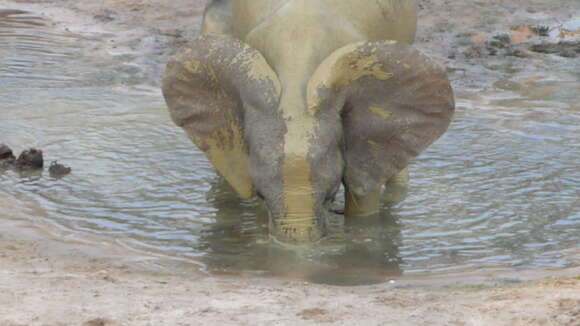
{"x": 499, "y": 190}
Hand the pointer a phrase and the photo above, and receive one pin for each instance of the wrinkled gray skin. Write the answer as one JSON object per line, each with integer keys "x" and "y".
{"x": 291, "y": 98}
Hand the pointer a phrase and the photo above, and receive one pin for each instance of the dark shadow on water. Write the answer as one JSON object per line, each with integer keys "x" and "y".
{"x": 356, "y": 251}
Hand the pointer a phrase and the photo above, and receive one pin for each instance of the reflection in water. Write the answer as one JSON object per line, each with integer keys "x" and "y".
{"x": 357, "y": 251}
{"x": 369, "y": 252}
{"x": 500, "y": 189}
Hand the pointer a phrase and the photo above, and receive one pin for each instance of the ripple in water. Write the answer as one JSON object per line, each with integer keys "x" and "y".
{"x": 500, "y": 189}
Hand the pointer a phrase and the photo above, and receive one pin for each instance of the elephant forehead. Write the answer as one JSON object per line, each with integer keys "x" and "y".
{"x": 343, "y": 67}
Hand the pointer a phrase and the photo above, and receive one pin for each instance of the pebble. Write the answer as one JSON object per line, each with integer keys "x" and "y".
{"x": 57, "y": 170}
{"x": 30, "y": 160}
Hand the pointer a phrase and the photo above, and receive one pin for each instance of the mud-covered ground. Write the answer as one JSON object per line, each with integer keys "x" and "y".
{"x": 50, "y": 278}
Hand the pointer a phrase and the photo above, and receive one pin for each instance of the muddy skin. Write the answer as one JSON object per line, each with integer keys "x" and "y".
{"x": 57, "y": 170}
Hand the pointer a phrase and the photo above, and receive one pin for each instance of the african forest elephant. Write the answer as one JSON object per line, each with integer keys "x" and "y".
{"x": 291, "y": 98}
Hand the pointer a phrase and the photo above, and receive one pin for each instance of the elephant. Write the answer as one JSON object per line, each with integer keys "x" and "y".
{"x": 290, "y": 99}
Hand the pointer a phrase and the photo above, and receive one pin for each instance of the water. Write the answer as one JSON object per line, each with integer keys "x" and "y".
{"x": 499, "y": 190}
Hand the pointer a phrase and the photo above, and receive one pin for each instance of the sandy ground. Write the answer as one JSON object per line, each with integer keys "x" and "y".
{"x": 49, "y": 278}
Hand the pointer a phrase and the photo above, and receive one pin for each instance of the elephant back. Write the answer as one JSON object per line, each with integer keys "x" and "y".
{"x": 373, "y": 19}
{"x": 247, "y": 14}
{"x": 379, "y": 19}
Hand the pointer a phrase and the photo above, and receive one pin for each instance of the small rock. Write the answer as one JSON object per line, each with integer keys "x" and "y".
{"x": 515, "y": 52}
{"x": 101, "y": 322}
{"x": 57, "y": 170}
{"x": 106, "y": 15}
{"x": 6, "y": 153}
{"x": 30, "y": 160}
{"x": 7, "y": 159}
{"x": 541, "y": 30}
{"x": 567, "y": 49}
{"x": 313, "y": 313}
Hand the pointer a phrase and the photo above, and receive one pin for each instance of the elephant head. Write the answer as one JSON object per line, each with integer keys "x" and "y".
{"x": 368, "y": 108}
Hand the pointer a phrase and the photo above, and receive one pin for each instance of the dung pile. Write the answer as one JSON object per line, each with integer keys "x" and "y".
{"x": 29, "y": 160}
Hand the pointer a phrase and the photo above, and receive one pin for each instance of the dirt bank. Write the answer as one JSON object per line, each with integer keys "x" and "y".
{"x": 52, "y": 278}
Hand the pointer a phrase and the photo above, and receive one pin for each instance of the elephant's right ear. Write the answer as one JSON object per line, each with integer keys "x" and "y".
{"x": 206, "y": 86}
{"x": 394, "y": 102}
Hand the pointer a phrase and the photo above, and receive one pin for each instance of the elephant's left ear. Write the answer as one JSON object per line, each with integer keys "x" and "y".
{"x": 208, "y": 85}
{"x": 394, "y": 102}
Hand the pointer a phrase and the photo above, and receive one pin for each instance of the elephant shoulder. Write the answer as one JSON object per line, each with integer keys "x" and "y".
{"x": 217, "y": 17}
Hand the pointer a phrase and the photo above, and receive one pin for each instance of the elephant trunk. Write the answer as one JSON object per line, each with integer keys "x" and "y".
{"x": 298, "y": 221}
{"x": 296, "y": 228}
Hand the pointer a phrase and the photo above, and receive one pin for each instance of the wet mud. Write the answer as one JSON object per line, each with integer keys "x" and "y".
{"x": 567, "y": 49}
{"x": 522, "y": 42}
